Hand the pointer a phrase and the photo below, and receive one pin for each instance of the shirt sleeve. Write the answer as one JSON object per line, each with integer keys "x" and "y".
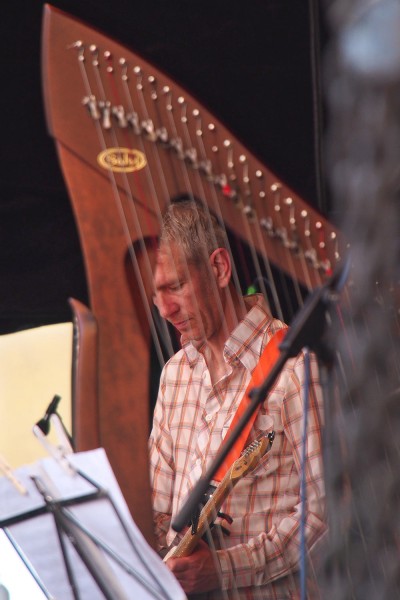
{"x": 275, "y": 553}
{"x": 161, "y": 470}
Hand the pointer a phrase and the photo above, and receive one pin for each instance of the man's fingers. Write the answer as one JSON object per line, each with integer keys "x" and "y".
{"x": 177, "y": 565}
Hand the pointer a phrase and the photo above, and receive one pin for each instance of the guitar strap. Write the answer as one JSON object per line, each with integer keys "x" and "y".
{"x": 267, "y": 360}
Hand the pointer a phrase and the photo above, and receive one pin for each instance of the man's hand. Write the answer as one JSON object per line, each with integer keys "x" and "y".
{"x": 197, "y": 572}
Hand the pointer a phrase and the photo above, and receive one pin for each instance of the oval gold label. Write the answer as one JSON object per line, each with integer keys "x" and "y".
{"x": 123, "y": 160}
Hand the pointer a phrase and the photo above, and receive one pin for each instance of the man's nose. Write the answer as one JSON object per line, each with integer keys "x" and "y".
{"x": 167, "y": 307}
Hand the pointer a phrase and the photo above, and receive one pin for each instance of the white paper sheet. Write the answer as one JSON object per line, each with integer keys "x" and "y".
{"x": 148, "y": 578}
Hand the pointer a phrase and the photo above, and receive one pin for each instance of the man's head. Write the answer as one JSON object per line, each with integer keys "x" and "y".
{"x": 194, "y": 229}
{"x": 193, "y": 271}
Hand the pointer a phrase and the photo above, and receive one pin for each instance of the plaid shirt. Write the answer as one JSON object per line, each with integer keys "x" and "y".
{"x": 260, "y": 557}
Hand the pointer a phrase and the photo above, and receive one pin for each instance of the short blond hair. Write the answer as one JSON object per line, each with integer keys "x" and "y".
{"x": 190, "y": 224}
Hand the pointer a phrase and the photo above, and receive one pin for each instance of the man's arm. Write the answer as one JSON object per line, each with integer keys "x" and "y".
{"x": 161, "y": 474}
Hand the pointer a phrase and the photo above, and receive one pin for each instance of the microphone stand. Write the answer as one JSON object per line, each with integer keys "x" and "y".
{"x": 306, "y": 329}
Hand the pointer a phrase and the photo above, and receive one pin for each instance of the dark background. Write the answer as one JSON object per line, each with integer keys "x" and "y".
{"x": 254, "y": 64}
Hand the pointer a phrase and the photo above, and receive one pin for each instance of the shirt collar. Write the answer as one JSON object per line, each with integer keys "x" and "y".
{"x": 245, "y": 342}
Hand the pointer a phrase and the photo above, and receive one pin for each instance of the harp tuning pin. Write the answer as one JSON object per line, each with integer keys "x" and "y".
{"x": 242, "y": 158}
{"x": 181, "y": 101}
{"x": 138, "y": 72}
{"x": 321, "y": 243}
{"x": 267, "y": 224}
{"x": 152, "y": 80}
{"x": 259, "y": 174}
{"x": 196, "y": 114}
{"x": 326, "y": 266}
{"x": 275, "y": 187}
{"x": 227, "y": 143}
{"x": 333, "y": 237}
{"x": 211, "y": 127}
{"x": 166, "y": 89}
{"x": 307, "y": 231}
{"x": 95, "y": 53}
{"x": 248, "y": 210}
{"x": 81, "y": 49}
{"x": 77, "y": 44}
{"x": 124, "y": 65}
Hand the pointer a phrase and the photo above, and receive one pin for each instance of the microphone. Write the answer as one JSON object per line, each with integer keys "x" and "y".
{"x": 44, "y": 423}
{"x": 42, "y": 428}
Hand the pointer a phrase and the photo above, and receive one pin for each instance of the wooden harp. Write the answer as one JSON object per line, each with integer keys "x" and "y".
{"x": 129, "y": 139}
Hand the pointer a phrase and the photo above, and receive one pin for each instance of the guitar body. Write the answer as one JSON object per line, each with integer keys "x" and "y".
{"x": 241, "y": 467}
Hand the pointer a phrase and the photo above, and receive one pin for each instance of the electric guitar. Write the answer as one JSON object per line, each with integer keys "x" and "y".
{"x": 247, "y": 461}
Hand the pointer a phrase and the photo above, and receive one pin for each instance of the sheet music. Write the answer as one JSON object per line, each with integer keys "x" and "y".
{"x": 16, "y": 581}
{"x": 37, "y": 536}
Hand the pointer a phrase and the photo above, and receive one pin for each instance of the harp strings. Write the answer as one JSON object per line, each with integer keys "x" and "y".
{"x": 175, "y": 153}
{"x": 161, "y": 192}
{"x": 126, "y": 225}
{"x": 197, "y": 191}
{"x": 189, "y": 191}
{"x": 116, "y": 193}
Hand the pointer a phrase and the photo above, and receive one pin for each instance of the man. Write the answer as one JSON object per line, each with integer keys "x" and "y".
{"x": 222, "y": 337}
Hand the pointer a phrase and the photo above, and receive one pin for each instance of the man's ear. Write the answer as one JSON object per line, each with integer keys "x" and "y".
{"x": 221, "y": 266}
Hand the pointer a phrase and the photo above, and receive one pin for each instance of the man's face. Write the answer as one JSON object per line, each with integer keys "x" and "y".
{"x": 186, "y": 295}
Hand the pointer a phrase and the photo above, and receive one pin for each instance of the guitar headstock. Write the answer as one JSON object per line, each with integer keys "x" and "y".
{"x": 251, "y": 456}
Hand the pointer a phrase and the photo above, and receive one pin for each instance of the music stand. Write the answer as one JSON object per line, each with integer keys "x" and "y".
{"x": 76, "y": 534}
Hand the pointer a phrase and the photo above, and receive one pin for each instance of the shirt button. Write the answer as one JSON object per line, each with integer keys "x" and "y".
{"x": 208, "y": 418}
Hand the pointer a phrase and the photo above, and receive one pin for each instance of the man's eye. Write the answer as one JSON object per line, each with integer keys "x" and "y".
{"x": 176, "y": 287}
